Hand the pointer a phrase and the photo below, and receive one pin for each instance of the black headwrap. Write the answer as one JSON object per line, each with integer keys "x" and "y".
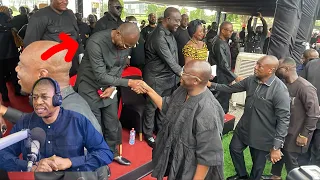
{"x": 193, "y": 25}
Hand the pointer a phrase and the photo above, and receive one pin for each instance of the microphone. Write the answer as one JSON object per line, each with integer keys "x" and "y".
{"x": 38, "y": 137}
{"x": 14, "y": 138}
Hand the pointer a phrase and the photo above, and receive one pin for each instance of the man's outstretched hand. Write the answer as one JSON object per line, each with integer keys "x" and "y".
{"x": 137, "y": 86}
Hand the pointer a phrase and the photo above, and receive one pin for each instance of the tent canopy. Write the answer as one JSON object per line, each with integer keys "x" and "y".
{"x": 244, "y": 7}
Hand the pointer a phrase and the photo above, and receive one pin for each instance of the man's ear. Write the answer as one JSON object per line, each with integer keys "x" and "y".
{"x": 43, "y": 73}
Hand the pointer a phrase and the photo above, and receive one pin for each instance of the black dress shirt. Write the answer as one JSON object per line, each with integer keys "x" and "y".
{"x": 46, "y": 24}
{"x": 162, "y": 66}
{"x": 312, "y": 74}
{"x": 101, "y": 67}
{"x": 220, "y": 55}
{"x": 146, "y": 30}
{"x": 264, "y": 123}
{"x": 182, "y": 38}
{"x": 107, "y": 22}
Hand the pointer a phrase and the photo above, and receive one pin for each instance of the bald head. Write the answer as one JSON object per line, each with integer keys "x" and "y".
{"x": 152, "y": 19}
{"x": 31, "y": 67}
{"x": 129, "y": 30}
{"x": 201, "y": 69}
{"x": 225, "y": 25}
{"x": 310, "y": 54}
{"x": 126, "y": 36}
{"x": 170, "y": 11}
{"x": 131, "y": 19}
{"x": 55, "y": 64}
{"x": 270, "y": 61}
{"x": 288, "y": 61}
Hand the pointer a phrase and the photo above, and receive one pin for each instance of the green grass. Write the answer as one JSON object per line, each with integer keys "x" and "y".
{"x": 228, "y": 165}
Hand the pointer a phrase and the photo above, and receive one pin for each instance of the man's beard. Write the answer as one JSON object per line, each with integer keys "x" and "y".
{"x": 152, "y": 23}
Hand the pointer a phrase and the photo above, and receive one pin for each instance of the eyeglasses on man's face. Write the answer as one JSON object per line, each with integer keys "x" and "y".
{"x": 190, "y": 75}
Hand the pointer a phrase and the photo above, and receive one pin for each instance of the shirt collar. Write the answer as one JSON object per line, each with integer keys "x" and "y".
{"x": 65, "y": 92}
{"x": 57, "y": 121}
{"x": 268, "y": 82}
{"x": 168, "y": 33}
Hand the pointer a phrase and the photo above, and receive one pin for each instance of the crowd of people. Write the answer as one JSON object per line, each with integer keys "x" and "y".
{"x": 185, "y": 105}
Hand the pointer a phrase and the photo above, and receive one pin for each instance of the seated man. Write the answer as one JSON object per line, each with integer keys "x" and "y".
{"x": 67, "y": 134}
{"x": 189, "y": 144}
{"x": 31, "y": 67}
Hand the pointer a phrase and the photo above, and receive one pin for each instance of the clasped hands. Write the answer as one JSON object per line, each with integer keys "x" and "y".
{"x": 54, "y": 163}
{"x": 138, "y": 86}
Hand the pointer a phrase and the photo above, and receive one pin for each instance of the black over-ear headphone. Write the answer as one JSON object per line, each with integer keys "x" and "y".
{"x": 57, "y": 97}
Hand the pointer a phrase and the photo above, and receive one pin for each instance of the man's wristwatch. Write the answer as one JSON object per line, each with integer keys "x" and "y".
{"x": 276, "y": 149}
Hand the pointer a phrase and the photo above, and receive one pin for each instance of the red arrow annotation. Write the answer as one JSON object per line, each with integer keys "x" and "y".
{"x": 67, "y": 43}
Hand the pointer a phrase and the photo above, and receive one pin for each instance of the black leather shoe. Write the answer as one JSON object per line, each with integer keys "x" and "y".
{"x": 236, "y": 177}
{"x": 270, "y": 177}
{"x": 151, "y": 142}
{"x": 122, "y": 160}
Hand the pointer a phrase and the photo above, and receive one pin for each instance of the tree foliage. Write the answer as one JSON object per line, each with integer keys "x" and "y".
{"x": 200, "y": 14}
{"x": 183, "y": 10}
{"x": 157, "y": 9}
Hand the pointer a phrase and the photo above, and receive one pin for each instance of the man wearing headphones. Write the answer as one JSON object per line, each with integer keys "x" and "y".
{"x": 67, "y": 134}
{"x": 31, "y": 67}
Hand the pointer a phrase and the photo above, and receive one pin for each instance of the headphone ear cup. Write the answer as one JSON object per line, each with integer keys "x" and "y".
{"x": 57, "y": 100}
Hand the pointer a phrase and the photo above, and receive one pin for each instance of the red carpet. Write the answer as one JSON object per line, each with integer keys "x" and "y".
{"x": 138, "y": 154}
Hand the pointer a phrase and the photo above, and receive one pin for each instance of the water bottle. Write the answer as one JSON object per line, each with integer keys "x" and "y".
{"x": 132, "y": 137}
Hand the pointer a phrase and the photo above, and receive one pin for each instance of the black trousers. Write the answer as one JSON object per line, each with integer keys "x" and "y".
{"x": 224, "y": 99}
{"x": 290, "y": 160}
{"x": 312, "y": 157}
{"x": 151, "y": 115}
{"x": 315, "y": 148}
{"x": 110, "y": 125}
{"x": 258, "y": 158}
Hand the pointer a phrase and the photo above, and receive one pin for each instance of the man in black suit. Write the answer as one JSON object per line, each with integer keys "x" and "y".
{"x": 100, "y": 72}
{"x": 162, "y": 69}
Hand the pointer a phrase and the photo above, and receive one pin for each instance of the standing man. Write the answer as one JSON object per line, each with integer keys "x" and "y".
{"x": 100, "y": 70}
{"x": 264, "y": 123}
{"x": 221, "y": 56}
{"x": 137, "y": 54}
{"x": 308, "y": 55}
{"x": 111, "y": 19}
{"x": 151, "y": 26}
{"x": 49, "y": 22}
{"x": 92, "y": 22}
{"x": 162, "y": 70}
{"x": 304, "y": 110}
{"x": 189, "y": 144}
{"x": 84, "y": 29}
{"x": 182, "y": 37}
{"x": 242, "y": 35}
{"x": 312, "y": 74}
{"x": 259, "y": 36}
{"x": 211, "y": 34}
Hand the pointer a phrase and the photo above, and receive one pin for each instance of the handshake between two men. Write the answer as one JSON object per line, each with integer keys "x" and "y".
{"x": 137, "y": 86}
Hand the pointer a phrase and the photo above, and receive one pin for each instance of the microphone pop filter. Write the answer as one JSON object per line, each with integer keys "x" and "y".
{"x": 39, "y": 135}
